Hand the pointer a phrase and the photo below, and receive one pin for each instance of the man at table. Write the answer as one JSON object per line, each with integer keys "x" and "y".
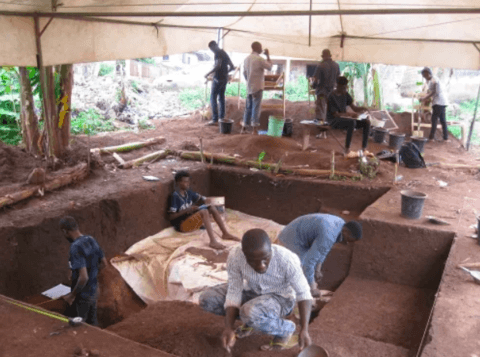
{"x": 338, "y": 118}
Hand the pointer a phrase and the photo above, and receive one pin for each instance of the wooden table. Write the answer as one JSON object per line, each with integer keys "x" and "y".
{"x": 308, "y": 126}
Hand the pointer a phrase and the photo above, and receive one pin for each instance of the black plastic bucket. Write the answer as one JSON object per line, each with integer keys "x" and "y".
{"x": 379, "y": 135}
{"x": 420, "y": 142}
{"x": 226, "y": 126}
{"x": 396, "y": 141}
{"x": 412, "y": 204}
{"x": 288, "y": 127}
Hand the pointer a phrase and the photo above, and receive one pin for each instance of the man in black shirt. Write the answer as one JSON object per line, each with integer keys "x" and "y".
{"x": 338, "y": 118}
{"x": 223, "y": 65}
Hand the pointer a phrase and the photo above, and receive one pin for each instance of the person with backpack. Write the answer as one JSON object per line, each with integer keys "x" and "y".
{"x": 438, "y": 97}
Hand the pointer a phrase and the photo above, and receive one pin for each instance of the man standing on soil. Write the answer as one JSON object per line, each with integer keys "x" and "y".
{"x": 254, "y": 68}
{"x": 325, "y": 78}
{"x": 186, "y": 216}
{"x": 312, "y": 237}
{"x": 86, "y": 259}
{"x": 275, "y": 280}
{"x": 439, "y": 103}
{"x": 338, "y": 118}
{"x": 223, "y": 65}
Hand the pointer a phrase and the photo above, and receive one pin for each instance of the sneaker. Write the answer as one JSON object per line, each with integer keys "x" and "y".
{"x": 212, "y": 123}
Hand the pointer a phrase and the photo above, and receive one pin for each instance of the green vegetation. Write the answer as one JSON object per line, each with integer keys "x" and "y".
{"x": 297, "y": 91}
{"x": 146, "y": 60}
{"x": 90, "y": 122}
{"x": 145, "y": 125}
{"x": 193, "y": 98}
{"x": 232, "y": 90}
{"x": 106, "y": 69}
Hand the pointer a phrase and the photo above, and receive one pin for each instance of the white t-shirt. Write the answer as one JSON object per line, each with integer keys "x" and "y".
{"x": 254, "y": 67}
{"x": 435, "y": 87}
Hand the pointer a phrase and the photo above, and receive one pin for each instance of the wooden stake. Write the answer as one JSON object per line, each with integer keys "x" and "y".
{"x": 153, "y": 156}
{"x": 201, "y": 151}
{"x": 332, "y": 173}
{"x": 119, "y": 159}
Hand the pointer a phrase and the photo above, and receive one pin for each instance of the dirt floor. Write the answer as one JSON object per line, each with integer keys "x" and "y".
{"x": 153, "y": 325}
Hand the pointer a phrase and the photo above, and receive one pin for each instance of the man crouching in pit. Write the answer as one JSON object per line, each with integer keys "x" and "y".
{"x": 275, "y": 280}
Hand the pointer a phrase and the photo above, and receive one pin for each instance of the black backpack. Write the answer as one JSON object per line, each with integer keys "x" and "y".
{"x": 411, "y": 156}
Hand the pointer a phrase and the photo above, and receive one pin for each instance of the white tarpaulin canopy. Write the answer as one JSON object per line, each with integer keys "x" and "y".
{"x": 416, "y": 33}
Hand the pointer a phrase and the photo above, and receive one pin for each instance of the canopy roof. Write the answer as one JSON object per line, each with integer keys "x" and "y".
{"x": 425, "y": 32}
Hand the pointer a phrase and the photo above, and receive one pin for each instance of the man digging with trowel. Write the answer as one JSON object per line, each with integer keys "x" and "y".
{"x": 275, "y": 281}
{"x": 186, "y": 216}
{"x": 312, "y": 237}
{"x": 85, "y": 260}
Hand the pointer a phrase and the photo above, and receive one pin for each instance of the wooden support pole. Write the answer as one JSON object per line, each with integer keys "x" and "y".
{"x": 150, "y": 157}
{"x": 472, "y": 125}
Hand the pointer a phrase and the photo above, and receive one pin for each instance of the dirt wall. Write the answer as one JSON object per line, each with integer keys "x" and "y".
{"x": 34, "y": 253}
{"x": 401, "y": 254}
{"x": 283, "y": 200}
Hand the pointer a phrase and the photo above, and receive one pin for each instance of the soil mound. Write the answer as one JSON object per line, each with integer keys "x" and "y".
{"x": 183, "y": 329}
{"x": 250, "y": 146}
{"x": 116, "y": 300}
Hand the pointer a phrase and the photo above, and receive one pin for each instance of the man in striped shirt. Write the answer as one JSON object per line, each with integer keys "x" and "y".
{"x": 275, "y": 280}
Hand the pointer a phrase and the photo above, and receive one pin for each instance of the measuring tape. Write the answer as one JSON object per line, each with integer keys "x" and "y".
{"x": 64, "y": 319}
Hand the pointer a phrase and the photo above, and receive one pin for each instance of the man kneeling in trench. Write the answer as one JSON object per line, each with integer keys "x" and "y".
{"x": 275, "y": 280}
{"x": 312, "y": 237}
{"x": 186, "y": 216}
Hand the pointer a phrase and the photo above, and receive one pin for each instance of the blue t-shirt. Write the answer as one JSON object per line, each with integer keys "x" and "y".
{"x": 312, "y": 237}
{"x": 179, "y": 203}
{"x": 221, "y": 74}
{"x": 85, "y": 252}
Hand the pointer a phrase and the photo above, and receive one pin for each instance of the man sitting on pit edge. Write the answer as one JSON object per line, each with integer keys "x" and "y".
{"x": 186, "y": 216}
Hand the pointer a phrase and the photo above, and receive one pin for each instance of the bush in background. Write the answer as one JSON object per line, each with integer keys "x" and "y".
{"x": 90, "y": 122}
{"x": 106, "y": 69}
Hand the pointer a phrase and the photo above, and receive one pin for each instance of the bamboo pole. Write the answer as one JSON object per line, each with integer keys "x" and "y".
{"x": 472, "y": 125}
{"x": 153, "y": 156}
{"x": 79, "y": 172}
{"x": 226, "y": 159}
{"x": 129, "y": 146}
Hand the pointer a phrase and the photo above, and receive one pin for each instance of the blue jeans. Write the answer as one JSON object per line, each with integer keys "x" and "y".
{"x": 218, "y": 91}
{"x": 262, "y": 312}
{"x": 253, "y": 106}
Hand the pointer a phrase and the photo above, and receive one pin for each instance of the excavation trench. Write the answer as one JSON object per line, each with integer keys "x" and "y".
{"x": 384, "y": 285}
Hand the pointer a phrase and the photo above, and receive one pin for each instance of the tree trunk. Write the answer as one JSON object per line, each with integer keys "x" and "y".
{"x": 28, "y": 117}
{"x": 58, "y": 126}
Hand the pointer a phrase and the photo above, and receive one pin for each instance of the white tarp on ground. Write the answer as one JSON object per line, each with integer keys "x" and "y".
{"x": 445, "y": 40}
{"x": 158, "y": 267}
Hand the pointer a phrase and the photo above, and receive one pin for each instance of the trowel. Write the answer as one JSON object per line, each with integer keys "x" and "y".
{"x": 313, "y": 351}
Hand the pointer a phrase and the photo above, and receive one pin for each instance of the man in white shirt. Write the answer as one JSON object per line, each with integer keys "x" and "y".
{"x": 254, "y": 68}
{"x": 439, "y": 103}
{"x": 274, "y": 281}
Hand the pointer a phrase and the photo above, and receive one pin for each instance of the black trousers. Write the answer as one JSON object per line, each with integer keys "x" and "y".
{"x": 439, "y": 113}
{"x": 350, "y": 124}
{"x": 84, "y": 308}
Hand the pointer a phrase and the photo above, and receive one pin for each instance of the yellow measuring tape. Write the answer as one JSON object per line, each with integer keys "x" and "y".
{"x": 64, "y": 319}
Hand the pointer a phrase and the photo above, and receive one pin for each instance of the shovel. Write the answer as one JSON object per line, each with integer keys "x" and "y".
{"x": 313, "y": 351}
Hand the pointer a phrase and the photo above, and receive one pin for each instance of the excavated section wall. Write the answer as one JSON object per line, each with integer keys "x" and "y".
{"x": 34, "y": 253}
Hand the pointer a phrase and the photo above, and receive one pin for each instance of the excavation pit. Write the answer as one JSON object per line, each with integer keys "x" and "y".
{"x": 384, "y": 285}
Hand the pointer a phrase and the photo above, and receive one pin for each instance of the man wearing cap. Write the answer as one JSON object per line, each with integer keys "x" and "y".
{"x": 325, "y": 78}
{"x": 254, "y": 68}
{"x": 312, "y": 237}
{"x": 439, "y": 102}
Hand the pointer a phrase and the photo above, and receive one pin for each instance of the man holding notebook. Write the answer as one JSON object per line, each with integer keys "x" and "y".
{"x": 338, "y": 118}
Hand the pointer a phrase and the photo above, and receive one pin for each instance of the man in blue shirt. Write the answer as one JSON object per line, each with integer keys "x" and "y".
{"x": 223, "y": 65}
{"x": 186, "y": 216}
{"x": 312, "y": 237}
{"x": 86, "y": 258}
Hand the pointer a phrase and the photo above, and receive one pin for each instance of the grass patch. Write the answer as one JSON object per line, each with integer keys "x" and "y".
{"x": 90, "y": 122}
{"x": 106, "y": 69}
{"x": 193, "y": 98}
